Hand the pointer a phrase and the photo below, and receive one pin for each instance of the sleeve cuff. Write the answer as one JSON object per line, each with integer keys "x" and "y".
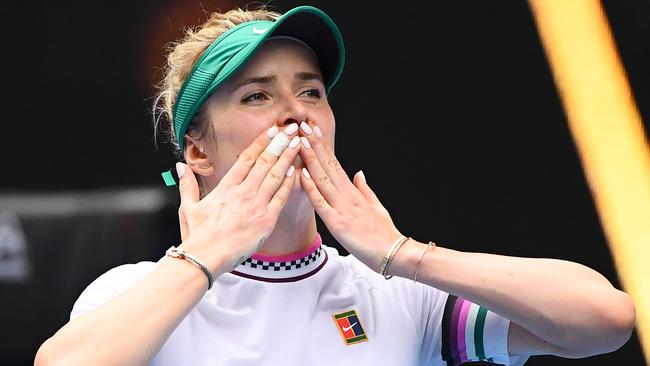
{"x": 496, "y": 338}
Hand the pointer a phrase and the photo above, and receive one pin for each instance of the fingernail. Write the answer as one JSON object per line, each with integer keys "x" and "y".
{"x": 363, "y": 176}
{"x": 271, "y": 132}
{"x": 305, "y": 128}
{"x": 306, "y": 173}
{"x": 318, "y": 132}
{"x": 294, "y": 142}
{"x": 291, "y": 170}
{"x": 291, "y": 129}
{"x": 180, "y": 170}
{"x": 277, "y": 145}
{"x": 305, "y": 142}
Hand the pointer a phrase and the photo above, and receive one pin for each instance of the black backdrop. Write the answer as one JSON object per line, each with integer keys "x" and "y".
{"x": 448, "y": 107}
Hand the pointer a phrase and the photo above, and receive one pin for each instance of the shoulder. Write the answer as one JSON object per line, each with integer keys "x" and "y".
{"x": 124, "y": 275}
{"x": 130, "y": 270}
{"x": 109, "y": 285}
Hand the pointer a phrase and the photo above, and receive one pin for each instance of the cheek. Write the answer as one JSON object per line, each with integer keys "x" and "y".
{"x": 328, "y": 127}
{"x": 229, "y": 148}
{"x": 330, "y": 134}
{"x": 323, "y": 117}
{"x": 237, "y": 137}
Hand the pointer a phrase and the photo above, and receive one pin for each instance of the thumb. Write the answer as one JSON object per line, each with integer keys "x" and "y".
{"x": 187, "y": 185}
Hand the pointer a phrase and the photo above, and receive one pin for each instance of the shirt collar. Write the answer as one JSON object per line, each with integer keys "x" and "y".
{"x": 284, "y": 268}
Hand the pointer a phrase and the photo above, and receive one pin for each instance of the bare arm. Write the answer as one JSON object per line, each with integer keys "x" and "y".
{"x": 130, "y": 329}
{"x": 221, "y": 229}
{"x": 556, "y": 307}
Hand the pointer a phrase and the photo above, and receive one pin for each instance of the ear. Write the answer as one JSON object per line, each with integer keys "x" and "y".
{"x": 197, "y": 157}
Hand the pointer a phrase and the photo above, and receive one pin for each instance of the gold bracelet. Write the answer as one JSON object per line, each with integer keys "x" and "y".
{"x": 393, "y": 256}
{"x": 384, "y": 262}
{"x": 417, "y": 266}
{"x": 388, "y": 258}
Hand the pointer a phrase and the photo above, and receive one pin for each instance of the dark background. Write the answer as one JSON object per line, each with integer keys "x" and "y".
{"x": 448, "y": 107}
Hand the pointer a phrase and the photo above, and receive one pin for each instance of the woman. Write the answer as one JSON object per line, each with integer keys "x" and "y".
{"x": 246, "y": 96}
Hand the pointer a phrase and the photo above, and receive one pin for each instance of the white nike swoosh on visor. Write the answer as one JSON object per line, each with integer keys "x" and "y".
{"x": 259, "y": 31}
{"x": 345, "y": 329}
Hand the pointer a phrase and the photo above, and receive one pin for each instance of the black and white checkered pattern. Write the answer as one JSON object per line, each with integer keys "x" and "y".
{"x": 283, "y": 266}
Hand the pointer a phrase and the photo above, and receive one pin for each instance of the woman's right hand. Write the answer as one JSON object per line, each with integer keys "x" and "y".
{"x": 126, "y": 320}
{"x": 232, "y": 221}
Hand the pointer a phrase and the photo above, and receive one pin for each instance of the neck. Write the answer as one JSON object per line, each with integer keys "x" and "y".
{"x": 295, "y": 229}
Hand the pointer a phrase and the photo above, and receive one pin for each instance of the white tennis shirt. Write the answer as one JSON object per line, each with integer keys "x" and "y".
{"x": 318, "y": 308}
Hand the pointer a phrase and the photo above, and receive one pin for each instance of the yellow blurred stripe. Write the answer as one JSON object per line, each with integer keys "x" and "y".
{"x": 608, "y": 132}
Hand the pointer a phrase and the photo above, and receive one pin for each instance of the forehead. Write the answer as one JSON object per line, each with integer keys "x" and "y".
{"x": 277, "y": 55}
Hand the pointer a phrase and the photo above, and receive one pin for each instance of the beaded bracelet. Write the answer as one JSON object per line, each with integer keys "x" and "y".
{"x": 181, "y": 254}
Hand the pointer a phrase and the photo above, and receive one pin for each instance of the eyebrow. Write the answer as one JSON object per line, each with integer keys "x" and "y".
{"x": 302, "y": 76}
{"x": 256, "y": 79}
{"x": 306, "y": 76}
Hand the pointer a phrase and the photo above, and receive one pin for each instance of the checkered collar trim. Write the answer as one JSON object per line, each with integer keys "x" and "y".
{"x": 284, "y": 270}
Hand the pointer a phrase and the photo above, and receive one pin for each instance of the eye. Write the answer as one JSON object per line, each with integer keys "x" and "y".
{"x": 313, "y": 93}
{"x": 255, "y": 97}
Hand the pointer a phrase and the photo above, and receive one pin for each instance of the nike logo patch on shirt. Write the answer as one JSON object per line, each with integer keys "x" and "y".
{"x": 345, "y": 329}
{"x": 350, "y": 327}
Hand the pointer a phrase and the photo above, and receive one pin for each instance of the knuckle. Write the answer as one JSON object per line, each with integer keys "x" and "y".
{"x": 281, "y": 196}
{"x": 247, "y": 195}
{"x": 264, "y": 161}
{"x": 274, "y": 176}
{"x": 260, "y": 143}
{"x": 333, "y": 164}
{"x": 242, "y": 195}
{"x": 324, "y": 179}
{"x": 183, "y": 209}
{"x": 320, "y": 202}
{"x": 184, "y": 185}
{"x": 247, "y": 159}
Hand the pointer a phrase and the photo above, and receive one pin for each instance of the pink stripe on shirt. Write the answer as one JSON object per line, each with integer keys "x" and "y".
{"x": 290, "y": 257}
{"x": 460, "y": 335}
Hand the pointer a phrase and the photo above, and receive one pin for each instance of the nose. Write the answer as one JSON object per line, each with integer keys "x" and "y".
{"x": 294, "y": 111}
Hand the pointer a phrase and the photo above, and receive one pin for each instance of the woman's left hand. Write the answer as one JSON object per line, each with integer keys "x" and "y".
{"x": 350, "y": 210}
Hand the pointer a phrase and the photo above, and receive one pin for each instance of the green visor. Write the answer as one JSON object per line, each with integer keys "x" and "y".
{"x": 233, "y": 48}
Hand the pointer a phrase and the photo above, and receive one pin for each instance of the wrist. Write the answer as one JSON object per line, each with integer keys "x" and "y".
{"x": 405, "y": 261}
{"x": 183, "y": 255}
{"x": 212, "y": 259}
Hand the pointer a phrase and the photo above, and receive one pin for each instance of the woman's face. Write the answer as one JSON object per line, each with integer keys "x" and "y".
{"x": 281, "y": 84}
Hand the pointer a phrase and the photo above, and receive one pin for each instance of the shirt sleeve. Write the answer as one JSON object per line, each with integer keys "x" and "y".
{"x": 109, "y": 285}
{"x": 470, "y": 333}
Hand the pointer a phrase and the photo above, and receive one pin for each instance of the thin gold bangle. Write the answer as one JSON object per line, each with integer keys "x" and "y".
{"x": 391, "y": 255}
{"x": 384, "y": 262}
{"x": 417, "y": 266}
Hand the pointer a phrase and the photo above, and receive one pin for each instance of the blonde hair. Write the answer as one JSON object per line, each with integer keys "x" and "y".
{"x": 181, "y": 57}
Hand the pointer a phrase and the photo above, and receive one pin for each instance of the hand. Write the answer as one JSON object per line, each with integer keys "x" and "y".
{"x": 351, "y": 211}
{"x": 232, "y": 221}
